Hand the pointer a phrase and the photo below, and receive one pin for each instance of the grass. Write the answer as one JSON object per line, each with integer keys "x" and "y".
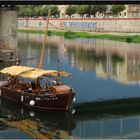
{"x": 59, "y": 33}
{"x": 72, "y": 35}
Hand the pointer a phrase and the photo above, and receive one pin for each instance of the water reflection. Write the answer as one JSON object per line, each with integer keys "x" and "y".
{"x": 121, "y": 127}
{"x": 109, "y": 59}
{"x": 98, "y": 68}
{"x": 114, "y": 119}
{"x": 108, "y": 119}
{"x": 101, "y": 69}
{"x": 36, "y": 124}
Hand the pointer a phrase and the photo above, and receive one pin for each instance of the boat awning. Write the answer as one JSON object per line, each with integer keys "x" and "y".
{"x": 61, "y": 73}
{"x": 15, "y": 70}
{"x": 31, "y": 73}
{"x": 36, "y": 73}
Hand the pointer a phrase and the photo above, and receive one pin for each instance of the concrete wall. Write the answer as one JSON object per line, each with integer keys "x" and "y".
{"x": 8, "y": 29}
{"x": 98, "y": 25}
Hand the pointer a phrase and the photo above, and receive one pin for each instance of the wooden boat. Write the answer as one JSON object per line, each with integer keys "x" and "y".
{"x": 53, "y": 96}
{"x": 25, "y": 85}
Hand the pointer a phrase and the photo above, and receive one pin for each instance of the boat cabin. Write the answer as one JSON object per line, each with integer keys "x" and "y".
{"x": 30, "y": 80}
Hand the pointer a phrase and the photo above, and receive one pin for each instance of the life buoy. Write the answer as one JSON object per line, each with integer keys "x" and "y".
{"x": 32, "y": 102}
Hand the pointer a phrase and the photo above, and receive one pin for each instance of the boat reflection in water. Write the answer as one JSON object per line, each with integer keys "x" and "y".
{"x": 36, "y": 124}
{"x": 108, "y": 119}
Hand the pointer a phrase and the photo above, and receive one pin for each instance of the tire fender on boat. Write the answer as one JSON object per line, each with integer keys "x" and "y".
{"x": 0, "y": 92}
{"x": 32, "y": 102}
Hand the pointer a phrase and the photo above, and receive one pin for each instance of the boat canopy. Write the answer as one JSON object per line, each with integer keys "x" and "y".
{"x": 31, "y": 73}
{"x": 61, "y": 73}
{"x": 34, "y": 74}
{"x": 15, "y": 70}
{"x": 37, "y": 73}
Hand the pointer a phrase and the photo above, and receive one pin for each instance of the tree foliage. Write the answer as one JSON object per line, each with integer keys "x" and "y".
{"x": 100, "y": 8}
{"x": 83, "y": 9}
{"x": 31, "y": 11}
{"x": 39, "y": 10}
{"x": 54, "y": 11}
{"x": 44, "y": 11}
{"x": 117, "y": 8}
{"x": 91, "y": 9}
{"x": 71, "y": 10}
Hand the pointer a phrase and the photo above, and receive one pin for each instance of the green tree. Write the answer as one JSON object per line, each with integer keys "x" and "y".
{"x": 31, "y": 11}
{"x": 117, "y": 8}
{"x": 54, "y": 11}
{"x": 21, "y": 12}
{"x": 37, "y": 11}
{"x": 28, "y": 12}
{"x": 71, "y": 10}
{"x": 44, "y": 11}
{"x": 83, "y": 9}
{"x": 100, "y": 8}
{"x": 97, "y": 8}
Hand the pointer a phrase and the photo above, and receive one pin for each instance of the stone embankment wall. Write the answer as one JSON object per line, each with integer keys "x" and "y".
{"x": 8, "y": 35}
{"x": 8, "y": 29}
{"x": 80, "y": 24}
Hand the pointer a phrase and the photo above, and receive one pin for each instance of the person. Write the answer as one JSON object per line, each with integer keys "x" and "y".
{"x": 30, "y": 88}
{"x": 12, "y": 81}
{"x": 33, "y": 85}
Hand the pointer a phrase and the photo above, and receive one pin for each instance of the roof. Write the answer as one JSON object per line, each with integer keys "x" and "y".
{"x": 31, "y": 73}
{"x": 15, "y": 70}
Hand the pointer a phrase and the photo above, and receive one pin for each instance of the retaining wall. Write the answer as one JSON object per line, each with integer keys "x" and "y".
{"x": 8, "y": 28}
{"x": 84, "y": 24}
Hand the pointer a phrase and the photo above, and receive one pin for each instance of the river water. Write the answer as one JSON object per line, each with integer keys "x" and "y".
{"x": 103, "y": 73}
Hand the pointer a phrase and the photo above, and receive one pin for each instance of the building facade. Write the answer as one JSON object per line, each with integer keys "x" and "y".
{"x": 131, "y": 11}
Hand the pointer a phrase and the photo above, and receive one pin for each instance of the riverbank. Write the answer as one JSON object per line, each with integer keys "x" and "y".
{"x": 127, "y": 37}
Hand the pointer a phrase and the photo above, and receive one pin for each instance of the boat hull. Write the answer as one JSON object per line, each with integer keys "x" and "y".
{"x": 60, "y": 102}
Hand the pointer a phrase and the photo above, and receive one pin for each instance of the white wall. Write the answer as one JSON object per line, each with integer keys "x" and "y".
{"x": 98, "y": 25}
